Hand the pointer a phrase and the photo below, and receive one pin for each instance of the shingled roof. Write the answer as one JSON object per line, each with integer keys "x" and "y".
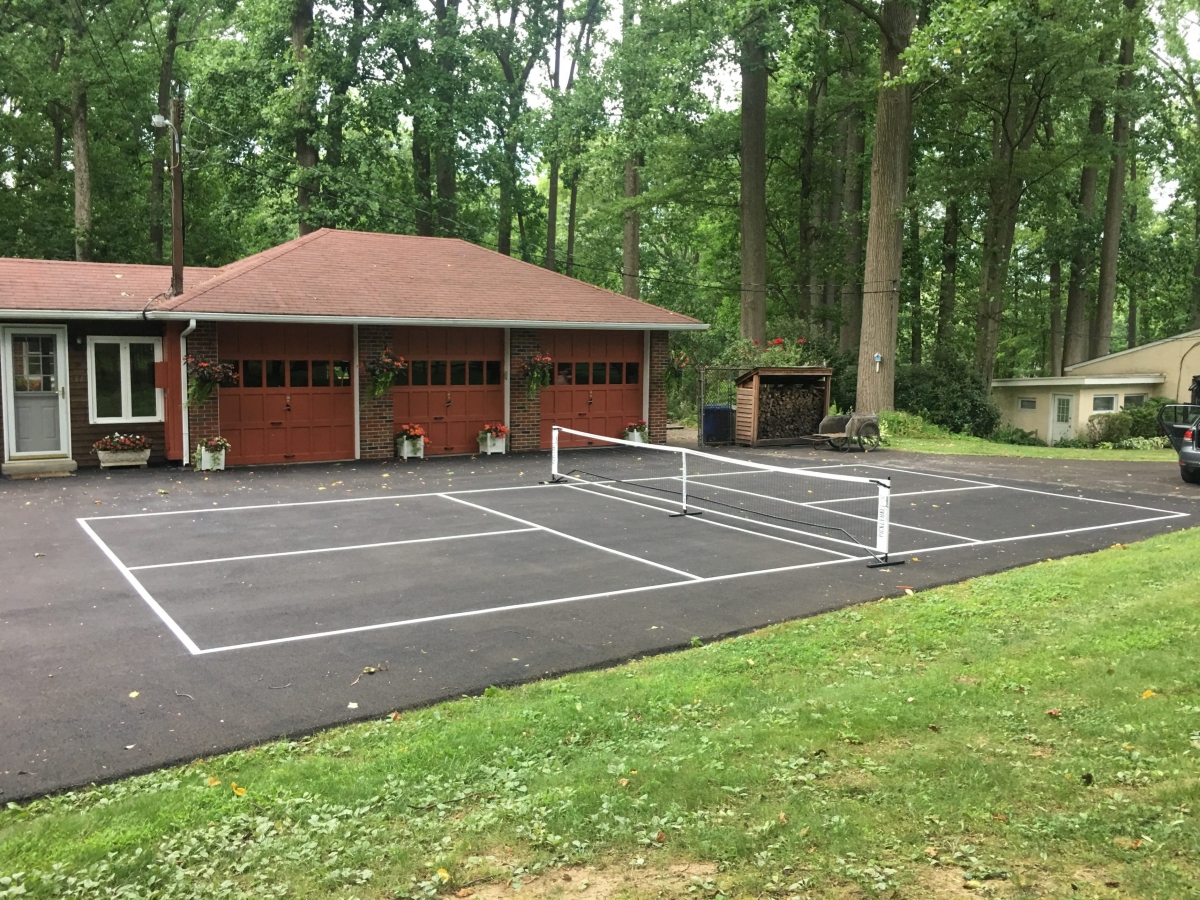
{"x": 337, "y": 276}
{"x": 51, "y": 288}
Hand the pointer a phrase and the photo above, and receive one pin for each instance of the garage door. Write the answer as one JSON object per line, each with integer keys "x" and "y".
{"x": 597, "y": 385}
{"x": 454, "y": 384}
{"x": 295, "y": 398}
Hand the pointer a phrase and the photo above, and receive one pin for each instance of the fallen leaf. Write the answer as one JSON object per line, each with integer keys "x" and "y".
{"x": 461, "y": 892}
{"x": 1088, "y": 779}
{"x": 782, "y": 819}
{"x": 633, "y": 771}
{"x": 442, "y": 875}
{"x": 163, "y": 491}
{"x": 934, "y": 727}
{"x": 1146, "y": 695}
{"x": 238, "y": 791}
{"x": 908, "y": 591}
{"x": 750, "y": 662}
{"x": 1000, "y": 817}
{"x": 133, "y": 693}
{"x": 36, "y": 555}
{"x": 1112, "y": 884}
{"x": 351, "y": 705}
{"x": 623, "y": 782}
{"x": 130, "y": 746}
{"x": 1054, "y": 713}
{"x": 804, "y": 831}
{"x": 931, "y": 852}
{"x": 395, "y": 717}
{"x": 213, "y": 782}
{"x": 661, "y": 837}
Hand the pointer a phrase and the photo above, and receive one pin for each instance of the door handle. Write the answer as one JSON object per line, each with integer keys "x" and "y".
{"x": 589, "y": 398}
{"x": 276, "y": 423}
{"x": 287, "y": 403}
{"x": 447, "y": 398}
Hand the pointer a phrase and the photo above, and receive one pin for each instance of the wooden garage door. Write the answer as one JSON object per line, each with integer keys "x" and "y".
{"x": 454, "y": 384}
{"x": 597, "y": 382}
{"x": 295, "y": 398}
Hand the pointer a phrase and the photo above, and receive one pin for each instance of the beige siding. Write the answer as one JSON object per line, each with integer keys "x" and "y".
{"x": 1178, "y": 359}
{"x": 1034, "y": 420}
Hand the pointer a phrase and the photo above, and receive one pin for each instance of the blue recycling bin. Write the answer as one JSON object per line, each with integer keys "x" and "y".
{"x": 718, "y": 424}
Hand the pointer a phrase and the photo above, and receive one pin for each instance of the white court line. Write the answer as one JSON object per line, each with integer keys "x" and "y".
{"x": 571, "y": 537}
{"x": 533, "y": 604}
{"x": 1046, "y": 534}
{"x": 141, "y": 591}
{"x": 427, "y": 540}
{"x": 701, "y": 521}
{"x": 974, "y": 487}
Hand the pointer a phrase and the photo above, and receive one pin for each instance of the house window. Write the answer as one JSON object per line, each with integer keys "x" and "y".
{"x": 1027, "y": 403}
{"x": 1135, "y": 400}
{"x": 1062, "y": 410}
{"x": 121, "y": 380}
{"x": 1104, "y": 403}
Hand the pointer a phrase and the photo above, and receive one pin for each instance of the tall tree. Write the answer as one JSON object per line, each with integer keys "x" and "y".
{"x": 754, "y": 181}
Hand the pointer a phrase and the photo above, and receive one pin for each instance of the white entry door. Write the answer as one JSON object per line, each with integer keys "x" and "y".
{"x": 1062, "y": 417}
{"x": 36, "y": 421}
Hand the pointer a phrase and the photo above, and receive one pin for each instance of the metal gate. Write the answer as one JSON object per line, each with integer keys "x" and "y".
{"x": 716, "y": 404}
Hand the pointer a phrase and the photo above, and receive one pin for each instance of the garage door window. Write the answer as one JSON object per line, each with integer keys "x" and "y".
{"x": 296, "y": 373}
{"x": 121, "y": 380}
{"x": 424, "y": 372}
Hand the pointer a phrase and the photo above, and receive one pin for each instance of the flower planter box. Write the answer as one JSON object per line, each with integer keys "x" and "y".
{"x": 110, "y": 459}
{"x": 635, "y": 437}
{"x": 212, "y": 460}
{"x": 410, "y": 448}
{"x": 490, "y": 444}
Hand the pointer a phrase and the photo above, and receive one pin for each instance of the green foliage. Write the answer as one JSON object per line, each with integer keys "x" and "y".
{"x": 902, "y": 424}
{"x": 949, "y": 394}
{"x": 1109, "y": 428}
{"x": 1143, "y": 420}
{"x": 1011, "y": 434}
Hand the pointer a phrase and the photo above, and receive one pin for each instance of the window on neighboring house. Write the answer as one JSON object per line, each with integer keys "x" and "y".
{"x": 1027, "y": 403}
{"x": 1104, "y": 403}
{"x": 1135, "y": 400}
{"x": 121, "y": 380}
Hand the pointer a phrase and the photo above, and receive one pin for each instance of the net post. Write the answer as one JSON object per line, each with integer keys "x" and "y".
{"x": 883, "y": 520}
{"x": 555, "y": 477}
{"x": 684, "y": 511}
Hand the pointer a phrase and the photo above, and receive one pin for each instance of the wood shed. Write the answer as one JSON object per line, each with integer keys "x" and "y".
{"x": 779, "y": 405}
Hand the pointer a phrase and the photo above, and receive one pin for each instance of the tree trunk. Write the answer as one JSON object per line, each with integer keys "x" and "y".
{"x": 445, "y": 138}
{"x": 571, "y": 224}
{"x": 305, "y": 111}
{"x": 631, "y": 240}
{"x": 809, "y": 212}
{"x": 948, "y": 287}
{"x": 507, "y": 188}
{"x": 421, "y": 178}
{"x": 348, "y": 77}
{"x": 1114, "y": 202}
{"x": 552, "y": 216}
{"x": 885, "y": 228}
{"x": 836, "y": 198}
{"x": 754, "y": 186}
{"x": 81, "y": 162}
{"x": 1076, "y": 336}
{"x": 916, "y": 277}
{"x": 1056, "y": 323}
{"x": 1195, "y": 311}
{"x": 852, "y": 190}
{"x": 166, "y": 71}
{"x": 1131, "y": 320}
{"x": 816, "y": 223}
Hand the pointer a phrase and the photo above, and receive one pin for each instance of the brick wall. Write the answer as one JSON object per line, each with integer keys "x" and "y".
{"x": 525, "y": 413}
{"x": 659, "y": 349}
{"x": 204, "y": 421}
{"x": 376, "y": 434}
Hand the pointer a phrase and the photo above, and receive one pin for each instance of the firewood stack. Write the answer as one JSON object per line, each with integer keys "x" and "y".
{"x": 789, "y": 410}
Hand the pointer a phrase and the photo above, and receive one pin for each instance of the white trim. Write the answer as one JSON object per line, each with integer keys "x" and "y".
{"x": 1178, "y": 337}
{"x": 1080, "y": 381}
{"x": 357, "y": 405}
{"x": 103, "y": 314}
{"x": 1116, "y": 405}
{"x": 8, "y": 402}
{"x": 646, "y": 378}
{"x": 184, "y": 315}
{"x": 126, "y": 391}
{"x": 507, "y": 373}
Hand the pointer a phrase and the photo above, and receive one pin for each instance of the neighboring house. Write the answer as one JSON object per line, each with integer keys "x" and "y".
{"x": 1055, "y": 408}
{"x": 298, "y": 321}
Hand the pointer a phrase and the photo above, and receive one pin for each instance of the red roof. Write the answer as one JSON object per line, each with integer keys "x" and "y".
{"x": 330, "y": 275}
{"x": 48, "y": 286}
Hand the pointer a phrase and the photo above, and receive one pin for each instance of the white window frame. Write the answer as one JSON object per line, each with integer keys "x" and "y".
{"x": 1104, "y": 412}
{"x": 1143, "y": 397}
{"x": 126, "y": 393}
{"x": 1032, "y": 401}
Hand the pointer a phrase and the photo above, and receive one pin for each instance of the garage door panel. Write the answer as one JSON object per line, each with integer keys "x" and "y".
{"x": 603, "y": 367}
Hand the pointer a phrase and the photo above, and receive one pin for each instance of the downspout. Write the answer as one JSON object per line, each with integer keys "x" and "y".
{"x": 183, "y": 335}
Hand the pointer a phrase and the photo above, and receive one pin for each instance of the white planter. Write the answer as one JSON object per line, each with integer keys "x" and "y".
{"x": 414, "y": 447}
{"x": 489, "y": 444}
{"x": 635, "y": 437}
{"x": 112, "y": 458}
{"x": 212, "y": 460}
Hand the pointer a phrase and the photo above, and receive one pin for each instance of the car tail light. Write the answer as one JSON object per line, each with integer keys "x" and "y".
{"x": 1187, "y": 435}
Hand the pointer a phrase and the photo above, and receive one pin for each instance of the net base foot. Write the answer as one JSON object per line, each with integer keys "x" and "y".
{"x": 686, "y": 512}
{"x": 884, "y": 563}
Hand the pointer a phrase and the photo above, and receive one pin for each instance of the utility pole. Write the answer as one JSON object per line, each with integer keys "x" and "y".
{"x": 176, "y": 196}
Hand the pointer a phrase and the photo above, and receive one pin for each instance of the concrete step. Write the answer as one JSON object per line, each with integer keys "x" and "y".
{"x": 39, "y": 468}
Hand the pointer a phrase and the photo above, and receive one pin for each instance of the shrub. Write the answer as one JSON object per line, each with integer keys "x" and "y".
{"x": 1011, "y": 434}
{"x": 902, "y": 424}
{"x": 1073, "y": 443}
{"x": 1143, "y": 443}
{"x": 1109, "y": 428}
{"x": 1143, "y": 420}
{"x": 949, "y": 394}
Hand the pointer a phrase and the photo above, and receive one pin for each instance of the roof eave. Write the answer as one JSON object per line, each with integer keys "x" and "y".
{"x": 1080, "y": 380}
{"x": 123, "y": 314}
{"x": 184, "y": 315}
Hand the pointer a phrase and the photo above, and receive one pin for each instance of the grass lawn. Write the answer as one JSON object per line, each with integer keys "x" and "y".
{"x": 1034, "y": 733}
{"x": 966, "y": 445}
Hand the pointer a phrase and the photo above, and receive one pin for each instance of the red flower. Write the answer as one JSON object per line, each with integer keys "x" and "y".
{"x": 801, "y": 340}
{"x": 756, "y": 343}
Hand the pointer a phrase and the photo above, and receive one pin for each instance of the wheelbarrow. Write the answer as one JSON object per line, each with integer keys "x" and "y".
{"x": 858, "y": 430}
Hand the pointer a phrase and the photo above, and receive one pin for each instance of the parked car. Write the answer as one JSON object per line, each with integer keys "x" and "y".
{"x": 1180, "y": 422}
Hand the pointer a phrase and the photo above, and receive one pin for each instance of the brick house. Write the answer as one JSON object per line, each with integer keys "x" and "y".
{"x": 297, "y": 323}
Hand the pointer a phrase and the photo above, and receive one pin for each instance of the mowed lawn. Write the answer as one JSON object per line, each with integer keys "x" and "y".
{"x": 965, "y": 445}
{"x": 1035, "y": 733}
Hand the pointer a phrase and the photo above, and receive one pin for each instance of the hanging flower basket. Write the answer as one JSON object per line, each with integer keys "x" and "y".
{"x": 382, "y": 371}
{"x": 204, "y": 377}
{"x": 122, "y": 450}
{"x": 411, "y": 441}
{"x": 539, "y": 372}
{"x": 493, "y": 438}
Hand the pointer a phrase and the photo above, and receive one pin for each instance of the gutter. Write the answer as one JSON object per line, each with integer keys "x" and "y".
{"x": 427, "y": 321}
